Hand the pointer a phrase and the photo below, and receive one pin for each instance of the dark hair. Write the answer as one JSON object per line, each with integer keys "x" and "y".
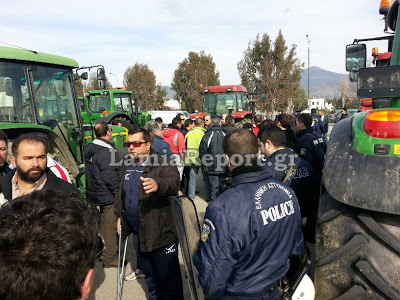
{"x": 286, "y": 120}
{"x": 175, "y": 122}
{"x": 247, "y": 126}
{"x": 49, "y": 242}
{"x": 258, "y": 118}
{"x": 179, "y": 115}
{"x": 273, "y": 133}
{"x": 199, "y": 122}
{"x": 188, "y": 122}
{"x": 306, "y": 119}
{"x": 242, "y": 142}
{"x": 266, "y": 122}
{"x": 230, "y": 121}
{"x": 158, "y": 120}
{"x": 3, "y": 136}
{"x": 101, "y": 129}
{"x": 344, "y": 108}
{"x": 32, "y": 137}
{"x": 146, "y": 134}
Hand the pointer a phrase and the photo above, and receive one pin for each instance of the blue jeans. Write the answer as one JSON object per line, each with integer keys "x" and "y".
{"x": 214, "y": 186}
{"x": 192, "y": 182}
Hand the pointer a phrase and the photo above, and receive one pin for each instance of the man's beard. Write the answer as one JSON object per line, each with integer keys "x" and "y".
{"x": 26, "y": 176}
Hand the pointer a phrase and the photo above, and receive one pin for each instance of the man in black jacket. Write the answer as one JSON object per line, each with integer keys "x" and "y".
{"x": 29, "y": 157}
{"x": 142, "y": 200}
{"x": 212, "y": 156}
{"x": 101, "y": 181}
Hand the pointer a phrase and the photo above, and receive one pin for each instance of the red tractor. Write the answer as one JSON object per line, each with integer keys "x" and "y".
{"x": 226, "y": 99}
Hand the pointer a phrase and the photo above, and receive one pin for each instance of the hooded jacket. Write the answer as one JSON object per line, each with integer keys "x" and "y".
{"x": 101, "y": 175}
{"x": 175, "y": 140}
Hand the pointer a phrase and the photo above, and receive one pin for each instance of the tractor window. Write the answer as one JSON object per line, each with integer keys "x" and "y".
{"x": 99, "y": 103}
{"x": 219, "y": 103}
{"x": 54, "y": 96}
{"x": 243, "y": 101}
{"x": 122, "y": 102}
{"x": 15, "y": 98}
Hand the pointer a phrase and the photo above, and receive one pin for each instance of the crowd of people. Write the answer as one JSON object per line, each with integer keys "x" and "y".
{"x": 262, "y": 179}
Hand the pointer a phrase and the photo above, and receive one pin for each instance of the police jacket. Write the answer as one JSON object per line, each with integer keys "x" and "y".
{"x": 156, "y": 222}
{"x": 301, "y": 177}
{"x": 52, "y": 183}
{"x": 102, "y": 172}
{"x": 211, "y": 145}
{"x": 312, "y": 149}
{"x": 249, "y": 233}
{"x": 317, "y": 125}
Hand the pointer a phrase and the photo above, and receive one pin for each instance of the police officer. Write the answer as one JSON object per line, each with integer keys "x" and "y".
{"x": 312, "y": 146}
{"x": 249, "y": 231}
{"x": 317, "y": 123}
{"x": 285, "y": 165}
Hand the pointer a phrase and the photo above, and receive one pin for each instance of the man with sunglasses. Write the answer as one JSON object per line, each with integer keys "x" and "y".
{"x": 101, "y": 181}
{"x": 142, "y": 197}
{"x": 49, "y": 241}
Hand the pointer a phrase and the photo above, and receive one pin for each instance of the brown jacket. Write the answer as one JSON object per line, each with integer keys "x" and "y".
{"x": 156, "y": 221}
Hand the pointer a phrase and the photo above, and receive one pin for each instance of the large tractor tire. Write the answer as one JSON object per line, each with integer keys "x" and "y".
{"x": 357, "y": 252}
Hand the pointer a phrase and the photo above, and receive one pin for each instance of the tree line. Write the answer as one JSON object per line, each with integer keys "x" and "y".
{"x": 268, "y": 67}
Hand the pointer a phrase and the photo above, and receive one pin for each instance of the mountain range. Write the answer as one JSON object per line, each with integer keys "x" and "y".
{"x": 323, "y": 83}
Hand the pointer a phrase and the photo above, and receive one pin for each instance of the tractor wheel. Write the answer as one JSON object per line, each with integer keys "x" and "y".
{"x": 357, "y": 252}
{"x": 125, "y": 122}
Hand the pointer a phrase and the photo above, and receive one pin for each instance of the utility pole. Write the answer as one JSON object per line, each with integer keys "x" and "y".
{"x": 115, "y": 77}
{"x": 308, "y": 69}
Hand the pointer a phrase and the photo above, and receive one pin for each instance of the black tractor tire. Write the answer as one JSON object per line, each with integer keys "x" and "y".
{"x": 125, "y": 122}
{"x": 357, "y": 252}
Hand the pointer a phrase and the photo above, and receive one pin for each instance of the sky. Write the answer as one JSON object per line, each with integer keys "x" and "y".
{"x": 161, "y": 33}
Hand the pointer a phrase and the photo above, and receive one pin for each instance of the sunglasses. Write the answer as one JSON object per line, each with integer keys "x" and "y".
{"x": 101, "y": 246}
{"x": 135, "y": 144}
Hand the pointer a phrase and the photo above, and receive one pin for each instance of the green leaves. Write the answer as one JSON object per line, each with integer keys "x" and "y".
{"x": 142, "y": 82}
{"x": 196, "y": 69}
{"x": 274, "y": 69}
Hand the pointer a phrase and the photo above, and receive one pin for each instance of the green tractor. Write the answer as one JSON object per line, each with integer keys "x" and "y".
{"x": 358, "y": 228}
{"x": 37, "y": 93}
{"x": 113, "y": 104}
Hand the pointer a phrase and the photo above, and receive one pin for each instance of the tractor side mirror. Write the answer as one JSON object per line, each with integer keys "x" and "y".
{"x": 356, "y": 57}
{"x": 84, "y": 76}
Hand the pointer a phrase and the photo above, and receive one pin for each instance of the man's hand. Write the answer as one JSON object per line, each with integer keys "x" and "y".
{"x": 149, "y": 185}
{"x": 119, "y": 226}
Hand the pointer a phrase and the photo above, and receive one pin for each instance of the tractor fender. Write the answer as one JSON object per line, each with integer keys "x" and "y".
{"x": 107, "y": 119}
{"x": 365, "y": 181}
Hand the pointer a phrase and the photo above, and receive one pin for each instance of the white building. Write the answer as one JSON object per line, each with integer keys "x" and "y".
{"x": 319, "y": 103}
